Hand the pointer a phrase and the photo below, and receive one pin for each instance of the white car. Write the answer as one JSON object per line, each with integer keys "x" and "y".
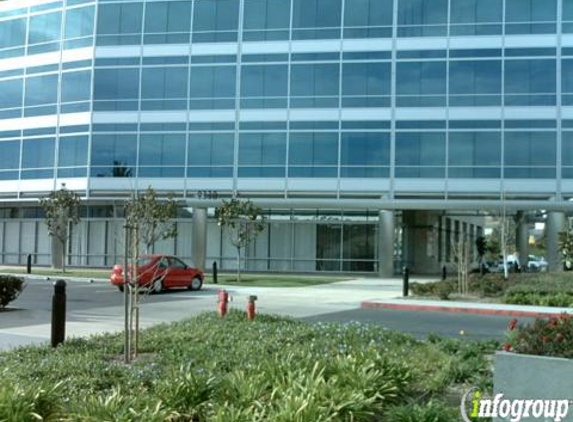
{"x": 536, "y": 264}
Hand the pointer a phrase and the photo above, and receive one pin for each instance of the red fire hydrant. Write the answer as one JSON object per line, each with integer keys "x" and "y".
{"x": 223, "y": 300}
{"x": 251, "y": 307}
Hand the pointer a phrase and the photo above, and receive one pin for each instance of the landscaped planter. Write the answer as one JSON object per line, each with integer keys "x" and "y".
{"x": 519, "y": 376}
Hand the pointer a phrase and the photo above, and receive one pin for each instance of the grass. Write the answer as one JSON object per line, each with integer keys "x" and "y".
{"x": 272, "y": 369}
{"x": 248, "y": 280}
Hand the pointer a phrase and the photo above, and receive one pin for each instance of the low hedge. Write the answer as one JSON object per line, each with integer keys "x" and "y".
{"x": 10, "y": 289}
{"x": 540, "y": 289}
{"x": 544, "y": 337}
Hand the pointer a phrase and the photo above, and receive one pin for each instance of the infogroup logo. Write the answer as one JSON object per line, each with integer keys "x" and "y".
{"x": 474, "y": 406}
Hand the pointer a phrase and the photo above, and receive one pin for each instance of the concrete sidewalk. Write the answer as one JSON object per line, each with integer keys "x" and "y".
{"x": 406, "y": 304}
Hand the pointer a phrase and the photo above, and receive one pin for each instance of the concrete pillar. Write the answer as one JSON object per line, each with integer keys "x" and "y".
{"x": 522, "y": 238}
{"x": 420, "y": 249}
{"x": 199, "y": 237}
{"x": 56, "y": 252}
{"x": 386, "y": 229}
{"x": 556, "y": 222}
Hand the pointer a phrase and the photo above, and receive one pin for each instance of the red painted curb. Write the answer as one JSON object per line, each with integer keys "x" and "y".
{"x": 445, "y": 308}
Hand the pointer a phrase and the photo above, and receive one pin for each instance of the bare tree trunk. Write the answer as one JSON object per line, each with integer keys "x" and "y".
{"x": 135, "y": 300}
{"x": 64, "y": 245}
{"x": 238, "y": 265}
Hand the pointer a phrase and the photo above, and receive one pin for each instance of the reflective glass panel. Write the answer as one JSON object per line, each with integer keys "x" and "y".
{"x": 79, "y": 22}
{"x": 11, "y": 90}
{"x": 9, "y": 155}
{"x": 76, "y": 86}
{"x": 73, "y": 151}
{"x": 38, "y": 153}
{"x": 12, "y": 33}
{"x": 44, "y": 28}
{"x": 41, "y": 90}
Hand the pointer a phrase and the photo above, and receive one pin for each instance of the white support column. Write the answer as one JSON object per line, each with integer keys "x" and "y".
{"x": 556, "y": 222}
{"x": 386, "y": 228}
{"x": 199, "y": 251}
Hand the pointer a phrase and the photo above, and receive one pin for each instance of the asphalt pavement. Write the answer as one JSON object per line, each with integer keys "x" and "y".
{"x": 96, "y": 307}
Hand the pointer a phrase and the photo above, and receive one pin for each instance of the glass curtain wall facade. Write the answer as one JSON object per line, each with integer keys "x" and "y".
{"x": 287, "y": 98}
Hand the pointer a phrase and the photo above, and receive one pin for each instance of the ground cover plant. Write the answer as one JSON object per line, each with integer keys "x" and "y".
{"x": 540, "y": 289}
{"x": 272, "y": 369}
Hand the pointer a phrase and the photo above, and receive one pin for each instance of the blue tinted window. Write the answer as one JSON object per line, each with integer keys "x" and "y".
{"x": 476, "y": 11}
{"x": 530, "y": 82}
{"x": 112, "y": 84}
{"x": 162, "y": 150}
{"x": 73, "y": 151}
{"x": 38, "y": 153}
{"x": 265, "y": 84}
{"x": 530, "y": 154}
{"x": 76, "y": 86}
{"x": 313, "y": 149}
{"x": 518, "y": 14}
{"x": 125, "y": 20}
{"x": 11, "y": 93}
{"x": 316, "y": 14}
{"x": 212, "y": 16}
{"x": 113, "y": 155}
{"x": 267, "y": 14}
{"x": 320, "y": 82}
{"x": 365, "y": 149}
{"x": 473, "y": 83}
{"x": 168, "y": 16}
{"x": 211, "y": 149}
{"x": 9, "y": 155}
{"x": 368, "y": 12}
{"x": 213, "y": 81}
{"x": 366, "y": 84}
{"x": 41, "y": 90}
{"x": 262, "y": 149}
{"x": 476, "y": 17}
{"x": 12, "y": 33}
{"x": 566, "y": 149}
{"x": 170, "y": 82}
{"x": 421, "y": 84}
{"x": 44, "y": 28}
{"x": 420, "y": 149}
{"x": 567, "y": 76}
{"x": 474, "y": 149}
{"x": 422, "y": 17}
{"x": 79, "y": 22}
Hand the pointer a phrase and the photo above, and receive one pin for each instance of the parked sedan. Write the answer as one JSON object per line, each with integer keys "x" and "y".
{"x": 160, "y": 272}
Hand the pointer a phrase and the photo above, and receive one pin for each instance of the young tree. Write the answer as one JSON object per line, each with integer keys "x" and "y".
{"x": 62, "y": 209}
{"x": 461, "y": 252}
{"x": 243, "y": 221}
{"x": 566, "y": 246}
{"x": 481, "y": 248}
{"x": 152, "y": 218}
{"x": 147, "y": 220}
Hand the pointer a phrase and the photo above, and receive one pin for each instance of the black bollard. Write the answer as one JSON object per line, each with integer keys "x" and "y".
{"x": 405, "y": 281}
{"x": 215, "y": 272}
{"x": 29, "y": 264}
{"x": 444, "y": 273}
{"x": 59, "y": 313}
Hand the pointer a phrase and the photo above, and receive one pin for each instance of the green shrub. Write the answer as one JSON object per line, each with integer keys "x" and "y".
{"x": 441, "y": 289}
{"x": 488, "y": 285}
{"x": 444, "y": 290}
{"x": 544, "y": 337}
{"x": 10, "y": 289}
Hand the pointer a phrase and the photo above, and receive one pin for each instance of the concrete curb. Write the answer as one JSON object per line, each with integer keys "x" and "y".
{"x": 462, "y": 309}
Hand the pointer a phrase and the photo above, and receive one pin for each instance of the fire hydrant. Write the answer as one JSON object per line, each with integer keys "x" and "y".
{"x": 223, "y": 300}
{"x": 251, "y": 307}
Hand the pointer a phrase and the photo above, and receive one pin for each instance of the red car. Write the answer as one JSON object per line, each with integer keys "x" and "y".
{"x": 160, "y": 272}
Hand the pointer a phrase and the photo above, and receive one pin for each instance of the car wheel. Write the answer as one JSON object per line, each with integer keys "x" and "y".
{"x": 157, "y": 286}
{"x": 196, "y": 284}
{"x": 120, "y": 288}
